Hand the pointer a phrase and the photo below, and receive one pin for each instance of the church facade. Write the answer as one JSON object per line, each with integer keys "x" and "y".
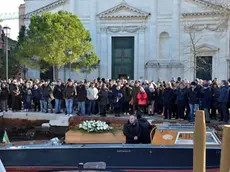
{"x": 147, "y": 39}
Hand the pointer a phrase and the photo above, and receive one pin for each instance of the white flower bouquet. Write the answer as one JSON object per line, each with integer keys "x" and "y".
{"x": 95, "y": 126}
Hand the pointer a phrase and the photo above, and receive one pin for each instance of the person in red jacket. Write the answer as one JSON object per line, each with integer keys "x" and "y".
{"x": 142, "y": 101}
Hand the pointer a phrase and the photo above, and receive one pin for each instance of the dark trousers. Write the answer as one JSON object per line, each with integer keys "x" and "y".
{"x": 187, "y": 110}
{"x": 16, "y": 103}
{"x": 213, "y": 112}
{"x": 174, "y": 110}
{"x": 10, "y": 101}
{"x": 141, "y": 109}
{"x": 117, "y": 111}
{"x": 37, "y": 106}
{"x": 224, "y": 112}
{"x": 27, "y": 105}
{"x": 126, "y": 107}
{"x": 4, "y": 105}
{"x": 168, "y": 111}
{"x": 91, "y": 107}
{"x": 181, "y": 109}
{"x": 103, "y": 110}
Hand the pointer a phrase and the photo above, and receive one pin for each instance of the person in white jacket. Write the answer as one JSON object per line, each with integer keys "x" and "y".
{"x": 92, "y": 95}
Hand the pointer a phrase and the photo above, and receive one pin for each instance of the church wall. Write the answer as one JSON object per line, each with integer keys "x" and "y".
{"x": 188, "y": 7}
{"x": 166, "y": 16}
{"x": 165, "y": 7}
{"x": 36, "y": 4}
{"x": 83, "y": 8}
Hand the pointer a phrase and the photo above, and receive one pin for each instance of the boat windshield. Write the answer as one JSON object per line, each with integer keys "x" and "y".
{"x": 186, "y": 138}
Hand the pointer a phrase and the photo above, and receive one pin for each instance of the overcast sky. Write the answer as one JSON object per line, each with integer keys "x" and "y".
{"x": 11, "y": 6}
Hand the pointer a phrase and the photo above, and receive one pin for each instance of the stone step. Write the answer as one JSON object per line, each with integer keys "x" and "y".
{"x": 62, "y": 122}
{"x": 31, "y": 115}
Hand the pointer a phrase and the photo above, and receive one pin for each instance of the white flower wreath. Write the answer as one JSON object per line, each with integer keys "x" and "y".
{"x": 95, "y": 126}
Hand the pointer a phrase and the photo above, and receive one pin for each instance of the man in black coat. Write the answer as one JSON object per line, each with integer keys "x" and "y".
{"x": 145, "y": 130}
{"x": 58, "y": 95}
{"x": 132, "y": 131}
{"x": 193, "y": 96}
{"x": 223, "y": 100}
{"x": 81, "y": 98}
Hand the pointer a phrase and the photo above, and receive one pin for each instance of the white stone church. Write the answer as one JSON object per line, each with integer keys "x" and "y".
{"x": 147, "y": 39}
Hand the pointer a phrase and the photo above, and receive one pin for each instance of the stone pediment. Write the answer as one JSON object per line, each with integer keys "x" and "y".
{"x": 203, "y": 8}
{"x": 123, "y": 10}
{"x": 207, "y": 47}
{"x": 45, "y": 8}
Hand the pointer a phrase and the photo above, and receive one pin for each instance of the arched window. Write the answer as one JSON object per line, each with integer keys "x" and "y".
{"x": 164, "y": 46}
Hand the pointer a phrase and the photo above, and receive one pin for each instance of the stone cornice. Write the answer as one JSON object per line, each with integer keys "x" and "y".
{"x": 45, "y": 8}
{"x": 201, "y": 14}
{"x": 108, "y": 14}
{"x": 207, "y": 47}
{"x": 164, "y": 63}
{"x": 127, "y": 29}
{"x": 202, "y": 27}
{"x": 209, "y": 4}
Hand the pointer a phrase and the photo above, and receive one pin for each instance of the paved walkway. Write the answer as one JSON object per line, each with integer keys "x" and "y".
{"x": 62, "y": 120}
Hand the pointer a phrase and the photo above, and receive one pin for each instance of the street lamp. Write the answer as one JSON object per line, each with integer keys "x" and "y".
{"x": 69, "y": 52}
{"x": 6, "y": 30}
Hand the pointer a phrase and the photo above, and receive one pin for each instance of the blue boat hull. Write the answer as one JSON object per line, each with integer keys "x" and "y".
{"x": 136, "y": 157}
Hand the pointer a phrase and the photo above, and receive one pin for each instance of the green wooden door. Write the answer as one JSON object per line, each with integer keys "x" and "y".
{"x": 122, "y": 57}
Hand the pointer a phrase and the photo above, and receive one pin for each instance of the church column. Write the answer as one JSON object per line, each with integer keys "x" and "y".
{"x": 176, "y": 29}
{"x": 141, "y": 56}
{"x": 93, "y": 23}
{"x": 153, "y": 32}
{"x": 103, "y": 58}
{"x": 72, "y": 6}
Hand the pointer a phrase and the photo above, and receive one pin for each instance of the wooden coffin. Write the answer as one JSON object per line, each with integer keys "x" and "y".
{"x": 79, "y": 137}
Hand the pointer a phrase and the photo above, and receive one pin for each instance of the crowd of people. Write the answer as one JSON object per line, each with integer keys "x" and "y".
{"x": 178, "y": 99}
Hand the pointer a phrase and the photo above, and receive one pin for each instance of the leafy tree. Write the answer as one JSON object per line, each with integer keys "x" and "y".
{"x": 14, "y": 66}
{"x": 49, "y": 38}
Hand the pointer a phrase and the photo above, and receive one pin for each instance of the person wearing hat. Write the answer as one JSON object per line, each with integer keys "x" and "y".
{"x": 193, "y": 95}
{"x": 206, "y": 101}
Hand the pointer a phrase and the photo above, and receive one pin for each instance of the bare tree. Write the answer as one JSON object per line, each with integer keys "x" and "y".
{"x": 191, "y": 51}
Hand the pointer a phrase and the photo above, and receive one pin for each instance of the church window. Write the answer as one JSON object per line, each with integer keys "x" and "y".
{"x": 164, "y": 46}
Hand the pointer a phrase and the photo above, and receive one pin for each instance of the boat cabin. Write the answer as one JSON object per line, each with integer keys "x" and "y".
{"x": 180, "y": 135}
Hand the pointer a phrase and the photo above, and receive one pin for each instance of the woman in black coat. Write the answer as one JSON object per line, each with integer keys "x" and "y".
{"x": 168, "y": 97}
{"x": 145, "y": 130}
{"x": 215, "y": 104}
{"x": 180, "y": 101}
{"x": 103, "y": 100}
{"x": 206, "y": 101}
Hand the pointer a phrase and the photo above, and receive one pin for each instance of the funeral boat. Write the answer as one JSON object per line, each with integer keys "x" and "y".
{"x": 171, "y": 150}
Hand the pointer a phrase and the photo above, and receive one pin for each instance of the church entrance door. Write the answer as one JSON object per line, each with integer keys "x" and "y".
{"x": 123, "y": 57}
{"x": 204, "y": 67}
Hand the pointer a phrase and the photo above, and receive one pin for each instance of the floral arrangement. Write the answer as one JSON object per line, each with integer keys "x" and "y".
{"x": 95, "y": 126}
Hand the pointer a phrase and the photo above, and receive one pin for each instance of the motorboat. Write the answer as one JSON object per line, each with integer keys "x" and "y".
{"x": 171, "y": 150}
